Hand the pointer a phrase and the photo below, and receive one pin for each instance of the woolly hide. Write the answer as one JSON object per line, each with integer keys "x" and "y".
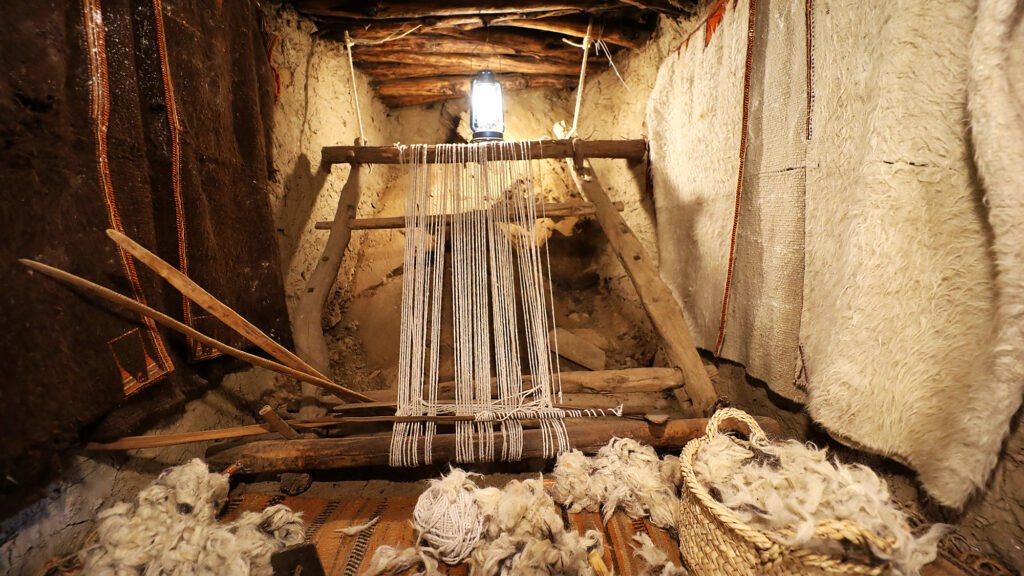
{"x": 792, "y": 486}
{"x": 908, "y": 287}
{"x": 173, "y": 529}
{"x": 623, "y": 474}
{"x": 656, "y": 559}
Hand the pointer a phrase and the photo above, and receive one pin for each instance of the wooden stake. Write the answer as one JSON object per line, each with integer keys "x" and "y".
{"x": 307, "y": 329}
{"x": 655, "y": 295}
{"x": 550, "y": 210}
{"x": 160, "y": 317}
{"x": 277, "y": 424}
{"x": 355, "y": 451}
{"x": 212, "y": 305}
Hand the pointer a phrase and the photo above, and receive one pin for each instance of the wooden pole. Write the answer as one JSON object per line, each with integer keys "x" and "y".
{"x": 622, "y": 381}
{"x": 277, "y": 424}
{"x": 655, "y": 295}
{"x": 212, "y": 305}
{"x": 355, "y": 451}
{"x": 549, "y": 210}
{"x": 160, "y": 317}
{"x": 307, "y": 330}
{"x": 630, "y": 149}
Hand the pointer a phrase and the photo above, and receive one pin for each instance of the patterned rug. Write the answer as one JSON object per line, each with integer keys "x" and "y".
{"x": 350, "y": 555}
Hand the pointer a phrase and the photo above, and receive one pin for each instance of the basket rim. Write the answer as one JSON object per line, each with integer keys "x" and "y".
{"x": 827, "y": 529}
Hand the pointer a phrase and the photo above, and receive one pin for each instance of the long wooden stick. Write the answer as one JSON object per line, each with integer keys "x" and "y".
{"x": 211, "y": 304}
{"x": 374, "y": 450}
{"x": 277, "y": 423}
{"x": 632, "y": 149}
{"x": 159, "y": 440}
{"x": 124, "y": 301}
{"x": 549, "y": 210}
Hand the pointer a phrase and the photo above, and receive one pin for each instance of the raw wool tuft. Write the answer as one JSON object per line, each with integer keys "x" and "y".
{"x": 520, "y": 532}
{"x": 173, "y": 529}
{"x": 792, "y": 486}
{"x": 655, "y": 558}
{"x": 624, "y": 474}
{"x": 524, "y": 534}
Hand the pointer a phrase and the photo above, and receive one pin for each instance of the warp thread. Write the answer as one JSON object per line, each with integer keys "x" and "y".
{"x": 786, "y": 488}
{"x": 172, "y": 529}
{"x": 624, "y": 474}
{"x": 478, "y": 202}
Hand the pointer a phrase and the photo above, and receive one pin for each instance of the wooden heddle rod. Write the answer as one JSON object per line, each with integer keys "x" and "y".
{"x": 538, "y": 149}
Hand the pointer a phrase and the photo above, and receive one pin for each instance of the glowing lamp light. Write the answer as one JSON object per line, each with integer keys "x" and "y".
{"x": 486, "y": 117}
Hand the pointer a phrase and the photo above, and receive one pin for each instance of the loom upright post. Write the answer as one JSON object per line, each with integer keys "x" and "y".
{"x": 306, "y": 329}
{"x": 655, "y": 295}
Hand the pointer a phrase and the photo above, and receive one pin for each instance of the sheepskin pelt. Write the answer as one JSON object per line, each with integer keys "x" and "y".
{"x": 624, "y": 474}
{"x": 521, "y": 533}
{"x": 172, "y": 529}
{"x": 910, "y": 332}
{"x": 786, "y": 488}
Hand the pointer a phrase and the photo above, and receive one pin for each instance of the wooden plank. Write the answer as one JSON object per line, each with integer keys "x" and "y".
{"x": 307, "y": 318}
{"x": 356, "y": 451}
{"x": 629, "y": 149}
{"x": 379, "y": 10}
{"x": 165, "y": 320}
{"x": 572, "y": 209}
{"x": 580, "y": 351}
{"x": 208, "y": 302}
{"x": 655, "y": 295}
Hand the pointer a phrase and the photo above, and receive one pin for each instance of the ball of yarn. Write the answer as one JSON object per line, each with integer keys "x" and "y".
{"x": 448, "y": 518}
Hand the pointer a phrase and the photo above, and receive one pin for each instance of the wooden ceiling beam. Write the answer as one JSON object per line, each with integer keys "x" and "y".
{"x": 573, "y": 27}
{"x": 423, "y": 90}
{"x": 432, "y": 43}
{"x": 469, "y": 63}
{"x": 381, "y": 10}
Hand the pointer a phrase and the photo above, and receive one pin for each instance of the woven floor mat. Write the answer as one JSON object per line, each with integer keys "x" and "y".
{"x": 350, "y": 555}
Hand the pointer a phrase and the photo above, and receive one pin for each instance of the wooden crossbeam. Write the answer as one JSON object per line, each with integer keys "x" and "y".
{"x": 373, "y": 450}
{"x": 550, "y": 210}
{"x": 538, "y": 149}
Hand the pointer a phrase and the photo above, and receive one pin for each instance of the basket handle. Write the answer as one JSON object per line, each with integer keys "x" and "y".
{"x": 714, "y": 427}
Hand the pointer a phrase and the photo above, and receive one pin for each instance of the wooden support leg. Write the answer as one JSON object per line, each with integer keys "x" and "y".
{"x": 655, "y": 295}
{"x": 306, "y": 326}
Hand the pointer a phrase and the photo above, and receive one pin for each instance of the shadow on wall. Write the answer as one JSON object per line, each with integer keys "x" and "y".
{"x": 303, "y": 185}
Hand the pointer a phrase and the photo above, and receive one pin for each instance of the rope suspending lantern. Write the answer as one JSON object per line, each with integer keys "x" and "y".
{"x": 355, "y": 92}
{"x": 585, "y": 46}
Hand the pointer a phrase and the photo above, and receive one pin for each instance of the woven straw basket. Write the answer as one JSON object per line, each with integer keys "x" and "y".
{"x": 714, "y": 541}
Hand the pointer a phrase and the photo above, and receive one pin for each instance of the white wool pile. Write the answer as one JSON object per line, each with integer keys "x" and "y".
{"x": 172, "y": 529}
{"x": 623, "y": 474}
{"x": 771, "y": 486}
{"x": 656, "y": 559}
{"x": 521, "y": 532}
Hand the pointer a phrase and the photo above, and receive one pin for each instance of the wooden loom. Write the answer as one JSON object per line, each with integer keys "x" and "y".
{"x": 688, "y": 378}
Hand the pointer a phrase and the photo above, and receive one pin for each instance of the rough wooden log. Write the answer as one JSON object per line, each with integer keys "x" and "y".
{"x": 355, "y": 451}
{"x": 432, "y": 43}
{"x": 469, "y": 63}
{"x": 655, "y": 295}
{"x": 573, "y": 209}
{"x": 365, "y": 32}
{"x": 208, "y": 302}
{"x": 413, "y": 91}
{"x": 307, "y": 330}
{"x": 393, "y": 10}
{"x": 165, "y": 320}
{"x": 603, "y": 381}
{"x": 629, "y": 149}
{"x": 277, "y": 424}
